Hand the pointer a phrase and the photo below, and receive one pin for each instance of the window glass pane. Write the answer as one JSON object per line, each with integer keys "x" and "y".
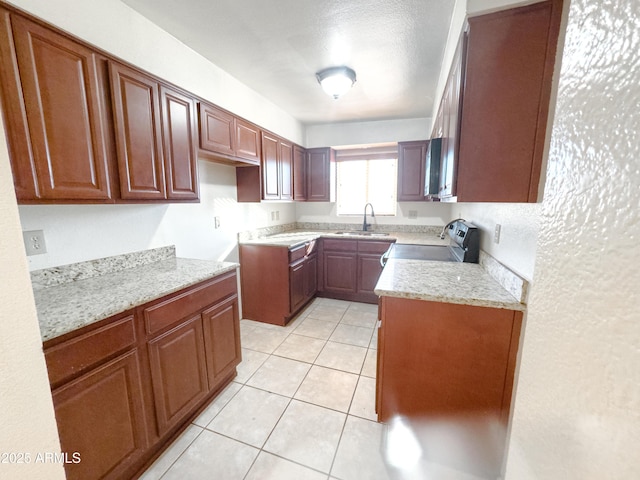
{"x": 367, "y": 181}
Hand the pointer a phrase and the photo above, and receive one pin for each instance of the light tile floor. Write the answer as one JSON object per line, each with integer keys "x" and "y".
{"x": 301, "y": 407}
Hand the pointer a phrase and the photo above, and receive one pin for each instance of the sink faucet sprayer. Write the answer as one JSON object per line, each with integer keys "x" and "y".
{"x": 444, "y": 229}
{"x": 366, "y": 225}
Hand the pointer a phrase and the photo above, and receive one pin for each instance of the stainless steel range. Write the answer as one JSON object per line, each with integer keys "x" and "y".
{"x": 464, "y": 246}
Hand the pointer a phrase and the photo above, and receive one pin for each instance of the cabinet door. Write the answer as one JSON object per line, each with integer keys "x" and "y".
{"x": 369, "y": 270}
{"x": 270, "y": 169}
{"x": 299, "y": 174}
{"x": 286, "y": 170}
{"x": 222, "y": 340}
{"x": 340, "y": 272}
{"x": 179, "y": 138}
{"x": 64, "y": 112}
{"x": 297, "y": 273}
{"x": 320, "y": 173}
{"x": 411, "y": 170}
{"x": 14, "y": 114}
{"x": 247, "y": 141}
{"x": 178, "y": 372}
{"x": 311, "y": 276}
{"x": 136, "y": 108}
{"x": 217, "y": 130}
{"x": 100, "y": 416}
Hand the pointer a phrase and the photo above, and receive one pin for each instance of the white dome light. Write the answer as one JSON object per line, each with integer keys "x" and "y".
{"x": 336, "y": 81}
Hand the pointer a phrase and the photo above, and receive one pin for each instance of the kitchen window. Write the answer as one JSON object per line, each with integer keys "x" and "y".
{"x": 367, "y": 175}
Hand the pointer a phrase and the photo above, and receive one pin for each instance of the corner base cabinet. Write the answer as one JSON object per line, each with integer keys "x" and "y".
{"x": 449, "y": 368}
{"x": 126, "y": 386}
{"x": 289, "y": 284}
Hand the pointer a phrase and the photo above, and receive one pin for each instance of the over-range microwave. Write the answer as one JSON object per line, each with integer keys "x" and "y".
{"x": 432, "y": 171}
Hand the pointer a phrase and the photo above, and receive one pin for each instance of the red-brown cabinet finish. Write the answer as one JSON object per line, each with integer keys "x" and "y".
{"x": 61, "y": 92}
{"x": 320, "y": 163}
{"x": 178, "y": 372}
{"x": 247, "y": 141}
{"x": 217, "y": 129}
{"x": 285, "y": 169}
{"x": 507, "y": 88}
{"x": 270, "y": 167}
{"x": 100, "y": 416}
{"x": 452, "y": 363}
{"x": 351, "y": 268}
{"x": 179, "y": 133}
{"x": 222, "y": 340}
{"x": 136, "y": 106}
{"x": 411, "y": 170}
{"x": 277, "y": 297}
{"x": 299, "y": 174}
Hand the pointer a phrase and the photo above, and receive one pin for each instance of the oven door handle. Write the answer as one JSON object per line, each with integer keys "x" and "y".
{"x": 385, "y": 256}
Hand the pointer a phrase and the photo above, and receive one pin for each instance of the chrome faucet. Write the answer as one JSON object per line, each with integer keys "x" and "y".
{"x": 366, "y": 225}
{"x": 444, "y": 229}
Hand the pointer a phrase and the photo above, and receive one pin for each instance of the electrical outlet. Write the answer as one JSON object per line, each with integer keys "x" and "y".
{"x": 496, "y": 233}
{"x": 413, "y": 214}
{"x": 216, "y": 222}
{"x": 277, "y": 214}
{"x": 34, "y": 242}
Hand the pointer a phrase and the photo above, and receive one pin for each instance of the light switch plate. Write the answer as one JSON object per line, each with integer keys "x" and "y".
{"x": 34, "y": 242}
{"x": 496, "y": 234}
{"x": 413, "y": 214}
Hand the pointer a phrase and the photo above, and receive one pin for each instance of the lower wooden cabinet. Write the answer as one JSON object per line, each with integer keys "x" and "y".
{"x": 222, "y": 340}
{"x": 351, "y": 268}
{"x": 178, "y": 372}
{"x": 290, "y": 284}
{"x": 124, "y": 387}
{"x": 448, "y": 370}
{"x": 101, "y": 418}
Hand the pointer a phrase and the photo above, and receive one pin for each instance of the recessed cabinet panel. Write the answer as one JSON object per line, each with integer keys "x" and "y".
{"x": 178, "y": 372}
{"x": 180, "y": 139}
{"x": 100, "y": 416}
{"x": 270, "y": 168}
{"x": 136, "y": 107}
{"x": 299, "y": 174}
{"x": 247, "y": 141}
{"x": 222, "y": 340}
{"x": 62, "y": 104}
{"x": 411, "y": 170}
{"x": 286, "y": 170}
{"x": 217, "y": 129}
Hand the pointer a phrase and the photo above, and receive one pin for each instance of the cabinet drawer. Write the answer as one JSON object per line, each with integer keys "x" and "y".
{"x": 340, "y": 245}
{"x": 68, "y": 359}
{"x": 190, "y": 301}
{"x": 373, "y": 246}
{"x": 297, "y": 253}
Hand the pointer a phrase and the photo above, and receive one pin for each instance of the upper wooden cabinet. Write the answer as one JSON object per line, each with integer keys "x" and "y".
{"x": 53, "y": 105}
{"x": 227, "y": 138}
{"x": 411, "y": 170}
{"x": 155, "y": 138}
{"x": 299, "y": 174}
{"x": 506, "y": 73}
{"x": 321, "y": 175}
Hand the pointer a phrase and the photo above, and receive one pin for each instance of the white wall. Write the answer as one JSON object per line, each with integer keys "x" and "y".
{"x": 27, "y": 422}
{"x": 429, "y": 213}
{"x": 82, "y": 232}
{"x": 362, "y": 133}
{"x": 577, "y": 408}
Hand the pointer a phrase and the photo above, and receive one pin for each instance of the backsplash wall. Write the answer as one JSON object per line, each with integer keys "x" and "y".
{"x": 75, "y": 233}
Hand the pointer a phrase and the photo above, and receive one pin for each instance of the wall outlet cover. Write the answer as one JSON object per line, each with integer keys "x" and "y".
{"x": 34, "y": 242}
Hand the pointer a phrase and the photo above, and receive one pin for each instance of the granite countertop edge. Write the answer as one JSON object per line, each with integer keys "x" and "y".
{"x": 64, "y": 308}
{"x": 446, "y": 282}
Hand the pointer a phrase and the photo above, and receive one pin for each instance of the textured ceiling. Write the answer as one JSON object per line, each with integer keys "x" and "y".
{"x": 276, "y": 47}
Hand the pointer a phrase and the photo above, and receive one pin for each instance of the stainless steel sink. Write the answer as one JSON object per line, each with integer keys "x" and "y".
{"x": 362, "y": 233}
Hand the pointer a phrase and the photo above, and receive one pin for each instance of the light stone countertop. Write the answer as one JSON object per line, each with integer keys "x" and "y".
{"x": 72, "y": 305}
{"x": 295, "y": 238}
{"x": 448, "y": 282}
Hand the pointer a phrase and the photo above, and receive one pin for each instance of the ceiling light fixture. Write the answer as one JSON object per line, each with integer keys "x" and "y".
{"x": 336, "y": 81}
